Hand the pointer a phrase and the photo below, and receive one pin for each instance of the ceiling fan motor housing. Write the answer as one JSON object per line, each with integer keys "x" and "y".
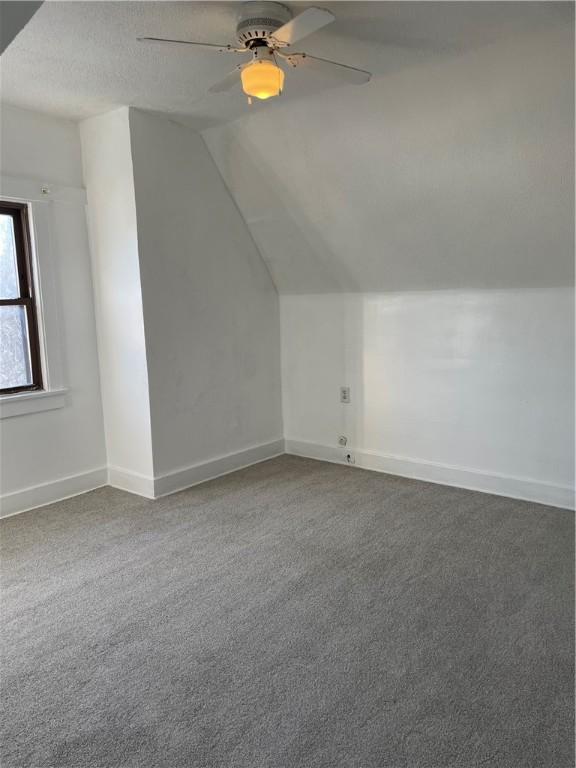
{"x": 259, "y": 20}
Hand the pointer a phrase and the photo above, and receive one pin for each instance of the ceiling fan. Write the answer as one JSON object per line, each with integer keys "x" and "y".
{"x": 266, "y": 31}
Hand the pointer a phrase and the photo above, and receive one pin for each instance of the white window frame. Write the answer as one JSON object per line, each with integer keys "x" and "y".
{"x": 40, "y": 199}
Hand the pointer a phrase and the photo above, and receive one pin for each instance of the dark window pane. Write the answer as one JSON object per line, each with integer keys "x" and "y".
{"x": 9, "y": 288}
{"x": 14, "y": 348}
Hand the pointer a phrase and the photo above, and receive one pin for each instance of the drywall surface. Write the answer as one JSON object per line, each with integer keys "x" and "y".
{"x": 420, "y": 231}
{"x": 475, "y": 380}
{"x": 47, "y": 447}
{"x": 210, "y": 308}
{"x": 108, "y": 174}
{"x": 39, "y": 147}
{"x": 458, "y": 173}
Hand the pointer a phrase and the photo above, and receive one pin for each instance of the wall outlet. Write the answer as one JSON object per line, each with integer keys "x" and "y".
{"x": 350, "y": 458}
{"x": 342, "y": 440}
{"x": 345, "y": 395}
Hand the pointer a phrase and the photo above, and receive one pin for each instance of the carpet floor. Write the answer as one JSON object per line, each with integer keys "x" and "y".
{"x": 295, "y": 613}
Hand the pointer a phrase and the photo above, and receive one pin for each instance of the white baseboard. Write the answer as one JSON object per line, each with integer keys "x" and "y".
{"x": 47, "y": 493}
{"x": 186, "y": 477}
{"x": 133, "y": 482}
{"x": 162, "y": 485}
{"x": 149, "y": 487}
{"x": 502, "y": 485}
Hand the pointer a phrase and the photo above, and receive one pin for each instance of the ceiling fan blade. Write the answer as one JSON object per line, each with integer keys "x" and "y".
{"x": 227, "y": 83}
{"x": 302, "y": 25}
{"x": 342, "y": 72}
{"x": 208, "y": 46}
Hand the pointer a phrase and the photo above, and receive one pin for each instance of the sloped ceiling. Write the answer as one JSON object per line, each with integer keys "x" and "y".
{"x": 452, "y": 168}
{"x": 13, "y": 18}
{"x": 456, "y": 173}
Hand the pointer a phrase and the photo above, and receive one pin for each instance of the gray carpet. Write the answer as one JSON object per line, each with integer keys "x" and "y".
{"x": 295, "y": 613}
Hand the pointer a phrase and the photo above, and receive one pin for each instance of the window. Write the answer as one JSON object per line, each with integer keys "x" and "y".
{"x": 20, "y": 367}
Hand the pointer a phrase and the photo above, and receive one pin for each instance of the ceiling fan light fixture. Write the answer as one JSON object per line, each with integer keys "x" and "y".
{"x": 266, "y": 30}
{"x": 262, "y": 79}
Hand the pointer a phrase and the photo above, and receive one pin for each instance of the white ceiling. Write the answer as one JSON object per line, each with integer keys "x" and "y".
{"x": 454, "y": 175}
{"x": 452, "y": 168}
{"x": 77, "y": 59}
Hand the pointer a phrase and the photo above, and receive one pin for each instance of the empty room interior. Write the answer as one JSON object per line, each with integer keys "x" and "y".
{"x": 287, "y": 384}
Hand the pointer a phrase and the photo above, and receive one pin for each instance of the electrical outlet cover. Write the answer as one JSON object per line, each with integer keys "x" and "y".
{"x": 344, "y": 394}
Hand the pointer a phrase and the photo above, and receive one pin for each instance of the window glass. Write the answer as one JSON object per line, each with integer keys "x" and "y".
{"x": 14, "y": 351}
{"x": 9, "y": 287}
{"x": 20, "y": 364}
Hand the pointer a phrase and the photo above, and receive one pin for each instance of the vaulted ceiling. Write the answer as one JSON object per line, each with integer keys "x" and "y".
{"x": 452, "y": 168}
{"x": 454, "y": 174}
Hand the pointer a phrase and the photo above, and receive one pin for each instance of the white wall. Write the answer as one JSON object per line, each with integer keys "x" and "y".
{"x": 39, "y": 147}
{"x": 43, "y": 449}
{"x": 421, "y": 232}
{"x": 109, "y": 179}
{"x": 210, "y": 307}
{"x": 474, "y": 388}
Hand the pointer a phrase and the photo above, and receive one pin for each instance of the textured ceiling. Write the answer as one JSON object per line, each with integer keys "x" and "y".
{"x": 452, "y": 168}
{"x": 450, "y": 175}
{"x": 77, "y": 59}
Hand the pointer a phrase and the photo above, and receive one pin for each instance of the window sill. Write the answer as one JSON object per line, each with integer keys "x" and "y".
{"x": 31, "y": 402}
